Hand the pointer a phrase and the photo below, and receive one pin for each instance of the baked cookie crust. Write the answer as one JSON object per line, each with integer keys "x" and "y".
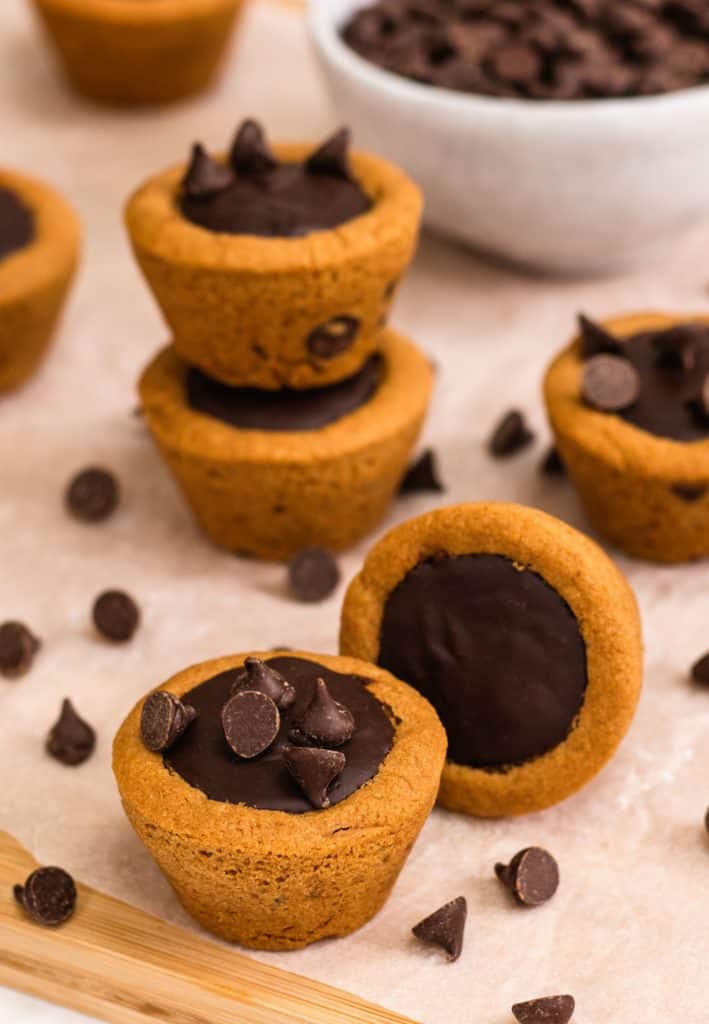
{"x": 271, "y": 493}
{"x": 35, "y": 280}
{"x": 141, "y": 51}
{"x": 600, "y": 599}
{"x": 648, "y": 495}
{"x": 272, "y": 880}
{"x": 245, "y": 309}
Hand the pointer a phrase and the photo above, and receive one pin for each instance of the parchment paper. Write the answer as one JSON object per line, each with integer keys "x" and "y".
{"x": 627, "y": 932}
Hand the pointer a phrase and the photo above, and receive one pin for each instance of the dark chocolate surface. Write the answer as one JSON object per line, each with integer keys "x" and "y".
{"x": 666, "y": 403}
{"x": 287, "y": 409}
{"x": 17, "y": 226}
{"x": 494, "y": 648}
{"x": 203, "y": 758}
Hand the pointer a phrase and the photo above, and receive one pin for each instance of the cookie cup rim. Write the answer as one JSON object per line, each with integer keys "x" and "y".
{"x": 622, "y": 446}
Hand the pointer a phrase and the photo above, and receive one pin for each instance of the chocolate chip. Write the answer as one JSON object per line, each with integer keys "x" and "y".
{"x": 93, "y": 495}
{"x": 313, "y": 574}
{"x": 703, "y": 399}
{"x": 48, "y": 896}
{"x": 422, "y": 476}
{"x": 71, "y": 740}
{"x": 325, "y": 722}
{"x": 314, "y": 769}
{"x": 596, "y": 340}
{"x": 333, "y": 337}
{"x": 690, "y": 492}
{"x": 510, "y": 435}
{"x": 251, "y": 722}
{"x": 445, "y": 927}
{"x": 552, "y": 463}
{"x": 250, "y": 153}
{"x": 257, "y": 675}
{"x": 116, "y": 616}
{"x": 532, "y": 876}
{"x": 205, "y": 177}
{"x": 163, "y": 720}
{"x": 18, "y": 647}
{"x": 332, "y": 156}
{"x": 547, "y": 1010}
{"x": 700, "y": 670}
{"x": 609, "y": 383}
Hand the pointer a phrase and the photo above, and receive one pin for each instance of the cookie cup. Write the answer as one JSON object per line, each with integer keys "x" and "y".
{"x": 139, "y": 51}
{"x": 271, "y": 493}
{"x": 272, "y": 880}
{"x": 601, "y": 601}
{"x": 35, "y": 280}
{"x": 647, "y": 495}
{"x": 277, "y": 312}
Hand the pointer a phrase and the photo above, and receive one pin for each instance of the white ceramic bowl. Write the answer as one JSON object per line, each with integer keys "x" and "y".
{"x": 571, "y": 187}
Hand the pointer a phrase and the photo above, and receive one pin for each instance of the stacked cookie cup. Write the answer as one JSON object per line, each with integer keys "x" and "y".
{"x": 285, "y": 408}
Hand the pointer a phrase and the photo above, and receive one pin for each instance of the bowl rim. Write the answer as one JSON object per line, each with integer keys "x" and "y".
{"x": 324, "y": 18}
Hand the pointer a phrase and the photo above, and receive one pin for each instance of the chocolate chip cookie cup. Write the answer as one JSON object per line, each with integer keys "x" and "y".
{"x": 275, "y": 312}
{"x": 266, "y": 850}
{"x": 641, "y": 468}
{"x": 39, "y": 251}
{"x": 141, "y": 51}
{"x": 286, "y": 483}
{"x": 523, "y": 635}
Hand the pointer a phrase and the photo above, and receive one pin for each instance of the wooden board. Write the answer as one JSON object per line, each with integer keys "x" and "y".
{"x": 127, "y": 967}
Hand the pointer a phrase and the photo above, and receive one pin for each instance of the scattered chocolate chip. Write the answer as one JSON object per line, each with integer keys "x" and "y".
{"x": 314, "y": 769}
{"x": 700, "y": 670}
{"x": 18, "y": 647}
{"x": 93, "y": 495}
{"x": 609, "y": 383}
{"x": 71, "y": 740}
{"x": 422, "y": 476}
{"x": 596, "y": 340}
{"x": 552, "y": 463}
{"x": 510, "y": 435}
{"x": 703, "y": 400}
{"x": 445, "y": 927}
{"x": 532, "y": 876}
{"x": 163, "y": 720}
{"x": 205, "y": 177}
{"x": 325, "y": 722}
{"x": 257, "y": 675}
{"x": 48, "y": 896}
{"x": 690, "y": 492}
{"x": 332, "y": 156}
{"x": 116, "y": 616}
{"x": 547, "y": 1010}
{"x": 333, "y": 337}
{"x": 313, "y": 574}
{"x": 250, "y": 153}
{"x": 251, "y": 722}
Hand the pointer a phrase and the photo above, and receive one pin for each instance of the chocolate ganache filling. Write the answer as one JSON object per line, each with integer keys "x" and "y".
{"x": 672, "y": 376}
{"x": 287, "y": 409}
{"x": 257, "y": 194}
{"x": 494, "y": 648}
{"x": 17, "y": 227}
{"x": 203, "y": 758}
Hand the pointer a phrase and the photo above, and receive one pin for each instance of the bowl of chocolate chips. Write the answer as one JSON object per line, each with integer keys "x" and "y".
{"x": 570, "y": 136}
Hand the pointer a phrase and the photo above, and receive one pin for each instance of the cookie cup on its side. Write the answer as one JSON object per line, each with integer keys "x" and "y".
{"x": 35, "y": 280}
{"x": 129, "y": 52}
{"x": 648, "y": 495}
{"x": 271, "y": 493}
{"x": 272, "y": 880}
{"x": 597, "y": 594}
{"x": 246, "y": 309}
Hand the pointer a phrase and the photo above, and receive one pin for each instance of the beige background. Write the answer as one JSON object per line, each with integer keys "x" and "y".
{"x": 627, "y": 932}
